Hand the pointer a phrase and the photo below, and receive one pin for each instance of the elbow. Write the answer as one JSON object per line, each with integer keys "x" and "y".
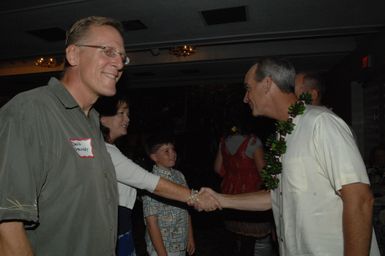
{"x": 367, "y": 204}
{"x": 266, "y": 203}
{"x": 216, "y": 169}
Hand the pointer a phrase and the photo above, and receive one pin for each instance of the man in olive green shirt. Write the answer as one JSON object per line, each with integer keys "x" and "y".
{"x": 58, "y": 192}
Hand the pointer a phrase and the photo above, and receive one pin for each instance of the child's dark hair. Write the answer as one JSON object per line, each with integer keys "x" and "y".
{"x": 154, "y": 142}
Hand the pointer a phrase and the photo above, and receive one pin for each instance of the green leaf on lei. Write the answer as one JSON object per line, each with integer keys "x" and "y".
{"x": 277, "y": 143}
{"x": 306, "y": 97}
{"x": 284, "y": 127}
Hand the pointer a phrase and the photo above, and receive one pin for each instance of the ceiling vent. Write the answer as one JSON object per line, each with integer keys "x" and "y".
{"x": 21, "y": 6}
{"x": 131, "y": 25}
{"x": 49, "y": 34}
{"x": 226, "y": 15}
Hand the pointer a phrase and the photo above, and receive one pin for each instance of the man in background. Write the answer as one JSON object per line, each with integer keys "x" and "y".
{"x": 310, "y": 83}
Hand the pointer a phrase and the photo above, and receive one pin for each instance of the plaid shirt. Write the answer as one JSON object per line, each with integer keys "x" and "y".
{"x": 172, "y": 216}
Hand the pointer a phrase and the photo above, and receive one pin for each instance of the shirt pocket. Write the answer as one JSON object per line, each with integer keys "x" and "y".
{"x": 295, "y": 175}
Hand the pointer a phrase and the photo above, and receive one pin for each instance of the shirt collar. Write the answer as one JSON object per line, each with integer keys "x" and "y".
{"x": 62, "y": 93}
{"x": 162, "y": 170}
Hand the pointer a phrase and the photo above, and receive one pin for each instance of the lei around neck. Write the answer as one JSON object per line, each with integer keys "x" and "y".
{"x": 277, "y": 143}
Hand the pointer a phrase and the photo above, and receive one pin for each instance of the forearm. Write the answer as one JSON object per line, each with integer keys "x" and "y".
{"x": 156, "y": 236}
{"x": 13, "y": 240}
{"x": 190, "y": 230}
{"x": 190, "y": 238}
{"x": 218, "y": 162}
{"x": 357, "y": 225}
{"x": 357, "y": 232}
{"x": 255, "y": 201}
{"x": 172, "y": 190}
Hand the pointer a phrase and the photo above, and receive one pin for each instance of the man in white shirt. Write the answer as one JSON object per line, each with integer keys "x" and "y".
{"x": 322, "y": 203}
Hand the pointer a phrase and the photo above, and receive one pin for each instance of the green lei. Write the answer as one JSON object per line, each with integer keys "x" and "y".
{"x": 277, "y": 143}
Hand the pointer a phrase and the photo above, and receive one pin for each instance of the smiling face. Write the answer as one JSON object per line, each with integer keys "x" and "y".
{"x": 98, "y": 72}
{"x": 164, "y": 156}
{"x": 255, "y": 92}
{"x": 118, "y": 123}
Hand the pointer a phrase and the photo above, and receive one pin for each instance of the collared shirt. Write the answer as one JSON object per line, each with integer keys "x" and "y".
{"x": 172, "y": 216}
{"x": 130, "y": 175}
{"x": 321, "y": 157}
{"x": 56, "y": 175}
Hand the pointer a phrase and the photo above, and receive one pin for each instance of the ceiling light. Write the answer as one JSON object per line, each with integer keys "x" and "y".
{"x": 48, "y": 62}
{"x": 183, "y": 50}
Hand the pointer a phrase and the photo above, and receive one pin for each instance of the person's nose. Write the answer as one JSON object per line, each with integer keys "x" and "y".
{"x": 118, "y": 62}
{"x": 246, "y": 98}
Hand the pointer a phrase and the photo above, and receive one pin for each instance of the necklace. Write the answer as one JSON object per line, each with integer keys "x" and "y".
{"x": 277, "y": 143}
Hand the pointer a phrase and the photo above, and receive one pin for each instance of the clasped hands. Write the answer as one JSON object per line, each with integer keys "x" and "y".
{"x": 206, "y": 200}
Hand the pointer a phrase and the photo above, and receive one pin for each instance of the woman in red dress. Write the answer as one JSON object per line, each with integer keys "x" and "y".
{"x": 239, "y": 161}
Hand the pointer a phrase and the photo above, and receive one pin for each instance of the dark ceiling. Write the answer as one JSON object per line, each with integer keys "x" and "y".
{"x": 228, "y": 35}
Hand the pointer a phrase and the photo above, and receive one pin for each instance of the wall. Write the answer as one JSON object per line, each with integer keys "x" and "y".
{"x": 371, "y": 80}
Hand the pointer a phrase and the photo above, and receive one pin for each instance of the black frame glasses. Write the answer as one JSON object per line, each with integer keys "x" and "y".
{"x": 109, "y": 52}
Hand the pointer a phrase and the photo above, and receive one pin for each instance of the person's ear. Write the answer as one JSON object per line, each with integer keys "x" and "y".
{"x": 153, "y": 157}
{"x": 72, "y": 55}
{"x": 267, "y": 84}
{"x": 314, "y": 95}
{"x": 104, "y": 120}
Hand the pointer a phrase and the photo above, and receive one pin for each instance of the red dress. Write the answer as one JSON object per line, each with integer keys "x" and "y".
{"x": 238, "y": 171}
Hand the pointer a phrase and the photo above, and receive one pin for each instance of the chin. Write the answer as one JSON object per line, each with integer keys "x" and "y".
{"x": 255, "y": 113}
{"x": 109, "y": 90}
{"x": 110, "y": 93}
{"x": 107, "y": 94}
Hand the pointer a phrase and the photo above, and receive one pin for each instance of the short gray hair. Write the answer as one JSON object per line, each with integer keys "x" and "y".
{"x": 80, "y": 28}
{"x": 315, "y": 81}
{"x": 281, "y": 71}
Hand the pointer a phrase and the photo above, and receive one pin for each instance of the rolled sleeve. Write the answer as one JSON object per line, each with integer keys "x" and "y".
{"x": 131, "y": 174}
{"x": 19, "y": 164}
{"x": 338, "y": 152}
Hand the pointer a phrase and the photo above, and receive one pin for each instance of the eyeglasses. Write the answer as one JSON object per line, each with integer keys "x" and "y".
{"x": 109, "y": 52}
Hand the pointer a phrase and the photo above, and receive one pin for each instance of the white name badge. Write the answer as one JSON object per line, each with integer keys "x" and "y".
{"x": 83, "y": 147}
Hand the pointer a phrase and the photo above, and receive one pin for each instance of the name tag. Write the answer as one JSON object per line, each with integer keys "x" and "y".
{"x": 83, "y": 147}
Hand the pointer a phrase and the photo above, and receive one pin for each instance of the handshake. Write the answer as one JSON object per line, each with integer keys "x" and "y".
{"x": 209, "y": 200}
{"x": 205, "y": 199}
